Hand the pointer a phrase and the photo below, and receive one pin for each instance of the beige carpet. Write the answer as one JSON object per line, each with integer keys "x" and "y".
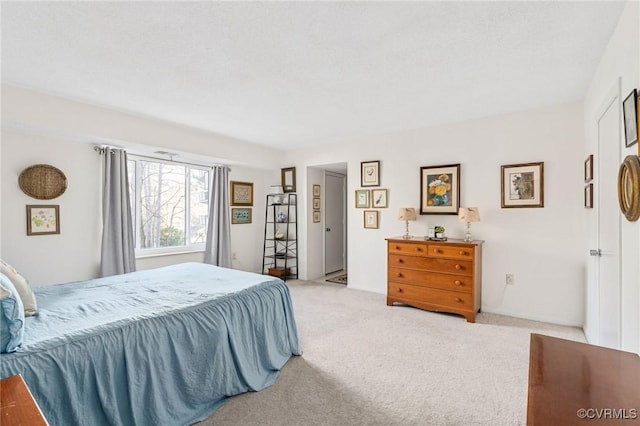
{"x": 365, "y": 363}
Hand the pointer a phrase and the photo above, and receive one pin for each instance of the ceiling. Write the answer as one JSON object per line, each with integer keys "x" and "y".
{"x": 297, "y": 74}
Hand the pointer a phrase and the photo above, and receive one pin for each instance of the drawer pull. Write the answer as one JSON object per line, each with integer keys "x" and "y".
{"x": 457, "y": 282}
{"x": 436, "y": 251}
{"x": 397, "y": 247}
{"x": 399, "y": 290}
{"x": 462, "y": 253}
{"x": 458, "y": 267}
{"x": 399, "y": 274}
{"x": 458, "y": 300}
{"x": 419, "y": 248}
{"x": 400, "y": 260}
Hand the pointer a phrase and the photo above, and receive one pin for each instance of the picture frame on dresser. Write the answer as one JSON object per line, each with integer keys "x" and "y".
{"x": 440, "y": 189}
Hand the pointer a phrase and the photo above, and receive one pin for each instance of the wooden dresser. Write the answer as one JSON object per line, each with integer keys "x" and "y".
{"x": 443, "y": 276}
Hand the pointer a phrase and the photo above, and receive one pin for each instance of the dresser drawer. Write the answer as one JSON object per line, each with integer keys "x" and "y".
{"x": 451, "y": 252}
{"x": 430, "y": 279}
{"x": 408, "y": 248}
{"x": 444, "y": 298}
{"x": 462, "y": 267}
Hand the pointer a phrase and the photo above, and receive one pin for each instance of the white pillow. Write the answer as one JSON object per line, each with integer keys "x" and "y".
{"x": 22, "y": 286}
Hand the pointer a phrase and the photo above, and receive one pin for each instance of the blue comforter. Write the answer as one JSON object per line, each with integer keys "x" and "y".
{"x": 159, "y": 347}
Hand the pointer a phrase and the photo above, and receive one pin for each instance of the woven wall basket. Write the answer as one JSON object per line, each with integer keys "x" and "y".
{"x": 42, "y": 181}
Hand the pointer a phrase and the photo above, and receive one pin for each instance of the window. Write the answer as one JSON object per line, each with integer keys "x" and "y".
{"x": 170, "y": 205}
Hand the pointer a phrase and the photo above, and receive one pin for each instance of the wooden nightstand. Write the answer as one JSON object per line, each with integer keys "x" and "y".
{"x": 17, "y": 406}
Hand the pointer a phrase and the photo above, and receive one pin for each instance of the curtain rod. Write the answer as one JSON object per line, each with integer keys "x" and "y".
{"x": 102, "y": 149}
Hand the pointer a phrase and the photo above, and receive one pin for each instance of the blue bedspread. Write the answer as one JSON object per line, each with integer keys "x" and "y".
{"x": 158, "y": 347}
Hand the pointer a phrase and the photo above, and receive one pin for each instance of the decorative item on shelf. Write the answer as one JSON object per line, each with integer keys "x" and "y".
{"x": 468, "y": 215}
{"x": 277, "y": 192}
{"x": 279, "y": 235}
{"x": 42, "y": 181}
{"x": 439, "y": 231}
{"x": 407, "y": 214}
{"x": 281, "y": 217}
{"x": 431, "y": 234}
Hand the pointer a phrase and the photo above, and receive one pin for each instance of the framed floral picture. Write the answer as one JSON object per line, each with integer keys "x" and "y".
{"x": 440, "y": 189}
{"x": 316, "y": 190}
{"x": 362, "y": 198}
{"x": 370, "y": 173}
{"x": 371, "y": 219}
{"x": 316, "y": 203}
{"x": 522, "y": 185}
{"x": 379, "y": 198}
{"x": 241, "y": 193}
{"x": 43, "y": 220}
{"x": 316, "y": 216}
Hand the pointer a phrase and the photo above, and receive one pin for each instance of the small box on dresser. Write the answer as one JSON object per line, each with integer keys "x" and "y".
{"x": 442, "y": 276}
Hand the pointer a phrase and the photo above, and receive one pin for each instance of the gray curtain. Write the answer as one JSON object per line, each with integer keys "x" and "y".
{"x": 118, "y": 247}
{"x": 218, "y": 251}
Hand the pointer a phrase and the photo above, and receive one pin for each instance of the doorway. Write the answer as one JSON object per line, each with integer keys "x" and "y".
{"x": 335, "y": 235}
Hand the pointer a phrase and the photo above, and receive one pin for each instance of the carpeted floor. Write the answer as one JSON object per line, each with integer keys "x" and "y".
{"x": 338, "y": 279}
{"x": 365, "y": 363}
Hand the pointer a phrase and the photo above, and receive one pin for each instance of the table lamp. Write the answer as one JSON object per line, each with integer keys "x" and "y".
{"x": 468, "y": 214}
{"x": 407, "y": 214}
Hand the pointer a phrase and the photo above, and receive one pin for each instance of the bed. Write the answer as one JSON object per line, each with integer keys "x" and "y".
{"x": 158, "y": 347}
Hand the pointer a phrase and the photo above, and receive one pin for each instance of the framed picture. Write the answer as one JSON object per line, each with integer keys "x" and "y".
{"x": 316, "y": 217}
{"x": 316, "y": 203}
{"x": 588, "y": 168}
{"x": 522, "y": 185}
{"x": 588, "y": 196}
{"x": 440, "y": 189}
{"x": 371, "y": 219}
{"x": 630, "y": 109}
{"x": 370, "y": 173}
{"x": 288, "y": 176}
{"x": 379, "y": 198}
{"x": 43, "y": 220}
{"x": 241, "y": 193}
{"x": 240, "y": 215}
{"x": 316, "y": 190}
{"x": 362, "y": 198}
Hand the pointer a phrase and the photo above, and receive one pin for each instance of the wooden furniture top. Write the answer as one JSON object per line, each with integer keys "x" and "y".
{"x": 422, "y": 240}
{"x": 572, "y": 383}
{"x": 17, "y": 406}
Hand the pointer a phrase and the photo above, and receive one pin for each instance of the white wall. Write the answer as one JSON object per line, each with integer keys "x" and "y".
{"x": 39, "y": 128}
{"x": 541, "y": 247}
{"x": 621, "y": 59}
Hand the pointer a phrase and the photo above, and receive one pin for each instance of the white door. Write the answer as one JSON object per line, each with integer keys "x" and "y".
{"x": 335, "y": 222}
{"x": 608, "y": 223}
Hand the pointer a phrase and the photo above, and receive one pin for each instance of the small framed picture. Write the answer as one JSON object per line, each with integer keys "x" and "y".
{"x": 588, "y": 196}
{"x": 522, "y": 185}
{"x": 316, "y": 190}
{"x": 370, "y": 173}
{"x": 379, "y": 198}
{"x": 316, "y": 217}
{"x": 240, "y": 216}
{"x": 630, "y": 110}
{"x": 316, "y": 203}
{"x": 588, "y": 168}
{"x": 43, "y": 220}
{"x": 241, "y": 193}
{"x": 362, "y": 198}
{"x": 371, "y": 219}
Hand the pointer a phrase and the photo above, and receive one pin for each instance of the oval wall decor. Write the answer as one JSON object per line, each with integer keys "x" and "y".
{"x": 42, "y": 181}
{"x": 629, "y": 187}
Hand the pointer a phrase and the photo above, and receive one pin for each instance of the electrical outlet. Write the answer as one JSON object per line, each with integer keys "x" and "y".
{"x": 509, "y": 279}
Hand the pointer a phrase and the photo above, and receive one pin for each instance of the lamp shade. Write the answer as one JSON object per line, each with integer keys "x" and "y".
{"x": 407, "y": 213}
{"x": 469, "y": 214}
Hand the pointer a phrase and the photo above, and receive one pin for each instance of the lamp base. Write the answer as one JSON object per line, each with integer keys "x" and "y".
{"x": 467, "y": 235}
{"x": 406, "y": 235}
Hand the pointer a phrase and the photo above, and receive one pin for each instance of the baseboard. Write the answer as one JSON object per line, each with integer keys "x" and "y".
{"x": 526, "y": 316}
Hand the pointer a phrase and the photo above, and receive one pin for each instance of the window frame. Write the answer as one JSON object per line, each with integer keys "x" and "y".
{"x": 136, "y": 209}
